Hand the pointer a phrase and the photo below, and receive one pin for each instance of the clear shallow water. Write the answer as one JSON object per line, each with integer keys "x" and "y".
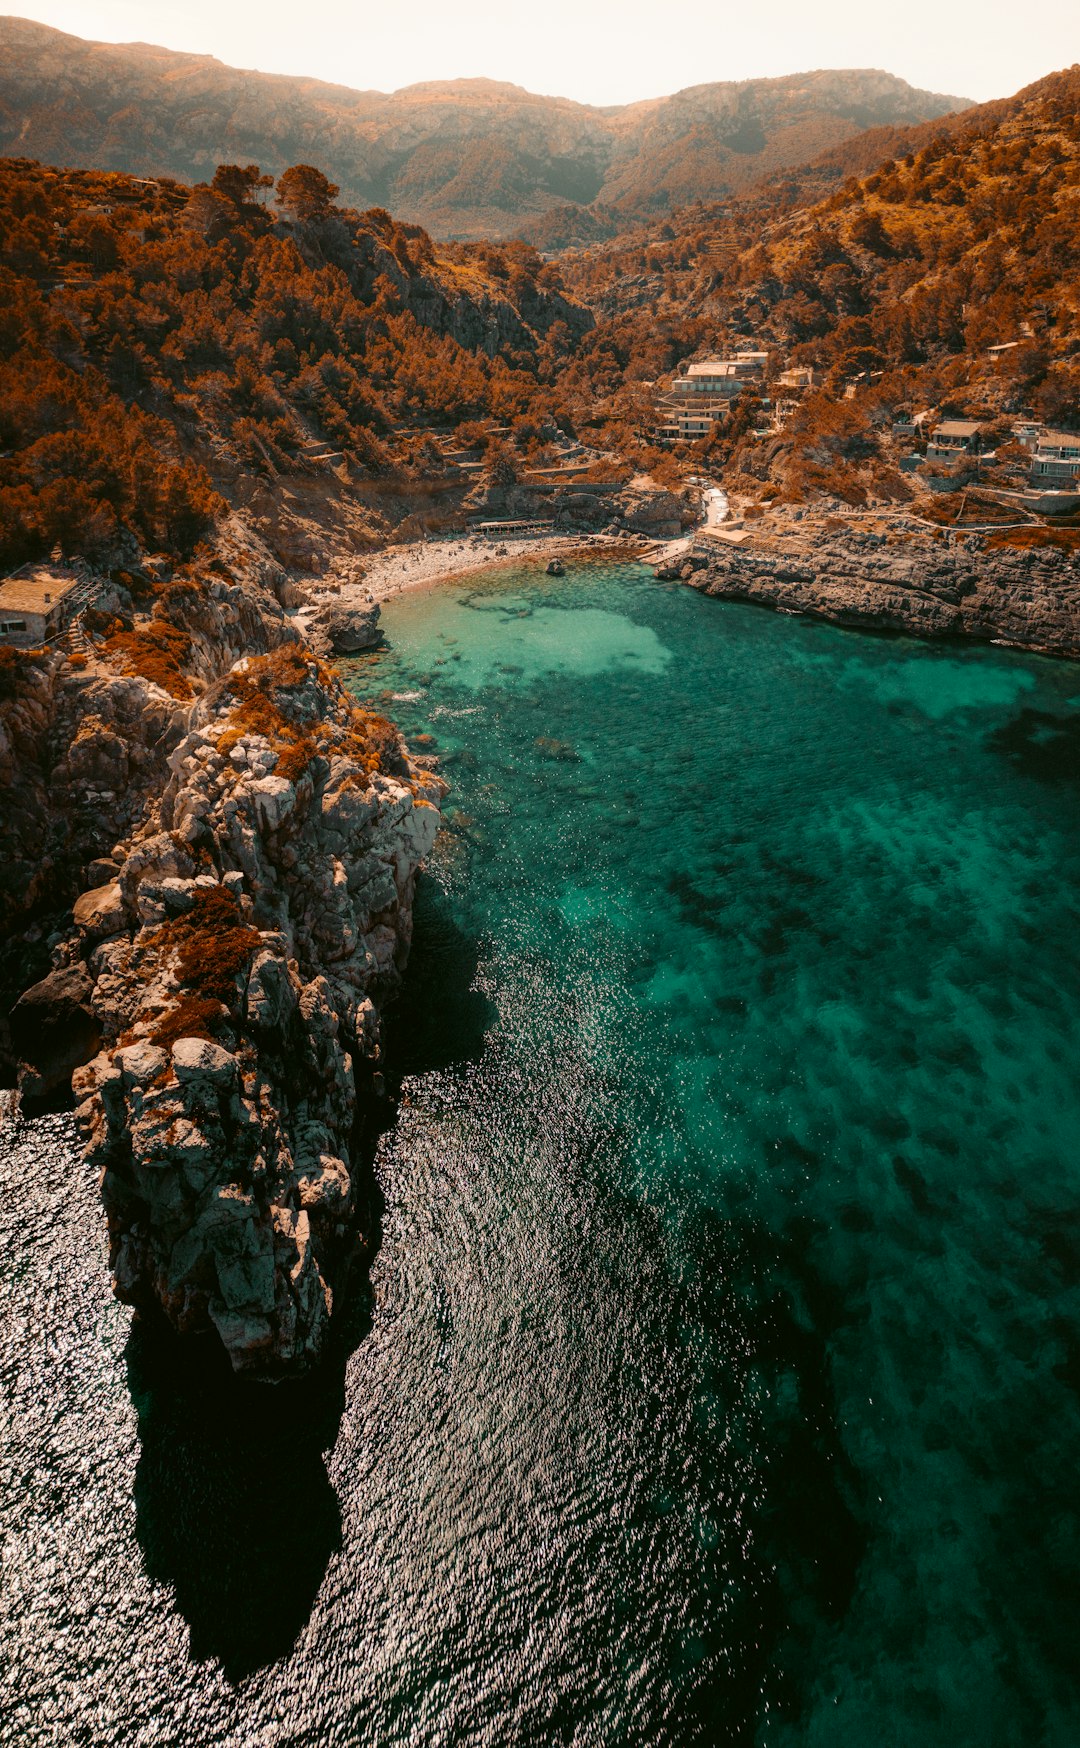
{"x": 719, "y": 1379}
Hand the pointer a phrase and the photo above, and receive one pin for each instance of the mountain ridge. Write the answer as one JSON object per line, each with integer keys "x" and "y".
{"x": 465, "y": 158}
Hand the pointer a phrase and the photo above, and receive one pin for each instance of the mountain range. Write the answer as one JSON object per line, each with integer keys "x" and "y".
{"x": 466, "y": 158}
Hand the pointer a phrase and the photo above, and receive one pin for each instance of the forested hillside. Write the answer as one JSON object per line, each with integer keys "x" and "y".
{"x": 161, "y": 348}
{"x": 465, "y": 158}
{"x": 896, "y": 286}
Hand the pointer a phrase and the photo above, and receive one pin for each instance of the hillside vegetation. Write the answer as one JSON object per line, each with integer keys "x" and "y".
{"x": 895, "y": 286}
{"x": 163, "y": 348}
{"x": 466, "y": 158}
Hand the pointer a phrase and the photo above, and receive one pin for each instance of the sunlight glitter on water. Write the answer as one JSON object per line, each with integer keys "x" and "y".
{"x": 717, "y": 1380}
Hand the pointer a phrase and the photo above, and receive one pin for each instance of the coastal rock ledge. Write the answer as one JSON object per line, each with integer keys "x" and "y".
{"x": 238, "y": 955}
{"x": 1028, "y": 599}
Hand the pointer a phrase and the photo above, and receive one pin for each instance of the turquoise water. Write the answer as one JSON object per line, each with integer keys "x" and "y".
{"x": 719, "y": 1381}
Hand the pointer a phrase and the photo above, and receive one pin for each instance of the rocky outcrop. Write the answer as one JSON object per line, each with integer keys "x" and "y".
{"x": 235, "y": 965}
{"x": 209, "y": 861}
{"x": 585, "y": 507}
{"x": 83, "y": 749}
{"x": 653, "y": 511}
{"x": 1030, "y": 599}
{"x": 54, "y": 1029}
{"x": 349, "y": 627}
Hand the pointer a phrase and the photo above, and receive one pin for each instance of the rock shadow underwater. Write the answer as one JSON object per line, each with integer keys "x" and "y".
{"x": 235, "y": 1511}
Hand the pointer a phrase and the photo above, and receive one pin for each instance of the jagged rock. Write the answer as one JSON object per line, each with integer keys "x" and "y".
{"x": 349, "y": 628}
{"x": 100, "y": 912}
{"x": 1027, "y": 598}
{"x": 265, "y": 916}
{"x": 55, "y": 1031}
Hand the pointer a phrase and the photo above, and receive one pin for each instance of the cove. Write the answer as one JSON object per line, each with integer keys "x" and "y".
{"x": 719, "y": 1378}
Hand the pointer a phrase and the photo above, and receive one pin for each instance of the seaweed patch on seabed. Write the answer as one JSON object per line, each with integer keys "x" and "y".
{"x": 1042, "y": 745}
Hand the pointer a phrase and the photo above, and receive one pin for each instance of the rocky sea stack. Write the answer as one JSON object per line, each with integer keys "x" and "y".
{"x": 210, "y": 874}
{"x": 236, "y": 960}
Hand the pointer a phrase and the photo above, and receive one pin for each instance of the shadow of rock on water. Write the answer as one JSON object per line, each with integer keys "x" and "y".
{"x": 439, "y": 1020}
{"x": 234, "y": 1507}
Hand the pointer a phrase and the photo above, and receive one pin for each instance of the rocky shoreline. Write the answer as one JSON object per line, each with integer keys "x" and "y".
{"x": 881, "y": 578}
{"x": 237, "y": 845}
{"x": 242, "y": 907}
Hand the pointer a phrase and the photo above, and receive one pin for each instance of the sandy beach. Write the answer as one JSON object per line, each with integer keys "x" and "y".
{"x": 384, "y": 574}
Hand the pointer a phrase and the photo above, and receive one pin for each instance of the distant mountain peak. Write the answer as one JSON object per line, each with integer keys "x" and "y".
{"x": 466, "y": 157}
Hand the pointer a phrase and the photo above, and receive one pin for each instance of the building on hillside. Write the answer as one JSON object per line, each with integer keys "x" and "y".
{"x": 702, "y": 395}
{"x": 713, "y": 376}
{"x": 686, "y": 424}
{"x": 908, "y": 427}
{"x": 953, "y": 439}
{"x": 1027, "y": 432}
{"x": 39, "y": 602}
{"x": 724, "y": 376}
{"x": 1056, "y": 460}
{"x": 800, "y": 377}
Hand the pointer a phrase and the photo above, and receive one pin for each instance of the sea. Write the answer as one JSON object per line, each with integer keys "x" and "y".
{"x": 717, "y": 1378}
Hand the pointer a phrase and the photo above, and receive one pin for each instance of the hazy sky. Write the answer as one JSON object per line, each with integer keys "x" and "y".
{"x": 598, "y": 51}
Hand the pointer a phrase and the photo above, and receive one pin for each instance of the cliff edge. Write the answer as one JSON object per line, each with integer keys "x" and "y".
{"x": 925, "y": 583}
{"x": 216, "y": 984}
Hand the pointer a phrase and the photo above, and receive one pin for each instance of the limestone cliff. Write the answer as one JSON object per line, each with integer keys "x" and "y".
{"x": 237, "y": 960}
{"x": 1029, "y": 599}
{"x": 248, "y": 906}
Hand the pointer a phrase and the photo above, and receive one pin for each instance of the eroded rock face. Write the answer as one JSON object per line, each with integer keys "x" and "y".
{"x": 235, "y": 964}
{"x": 54, "y": 1029}
{"x": 1030, "y": 599}
{"x": 350, "y": 628}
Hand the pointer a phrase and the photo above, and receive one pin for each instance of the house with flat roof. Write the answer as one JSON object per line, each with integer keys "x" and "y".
{"x": 720, "y": 376}
{"x": 683, "y": 424}
{"x": 1027, "y": 432}
{"x": 713, "y": 376}
{"x": 39, "y": 602}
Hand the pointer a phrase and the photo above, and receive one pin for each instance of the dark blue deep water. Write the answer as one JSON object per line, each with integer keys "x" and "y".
{"x": 719, "y": 1378}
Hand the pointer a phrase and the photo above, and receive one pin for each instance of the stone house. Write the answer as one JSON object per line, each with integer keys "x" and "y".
{"x": 39, "y": 602}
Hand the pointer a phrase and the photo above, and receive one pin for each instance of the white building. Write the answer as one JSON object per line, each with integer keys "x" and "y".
{"x": 1056, "y": 460}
